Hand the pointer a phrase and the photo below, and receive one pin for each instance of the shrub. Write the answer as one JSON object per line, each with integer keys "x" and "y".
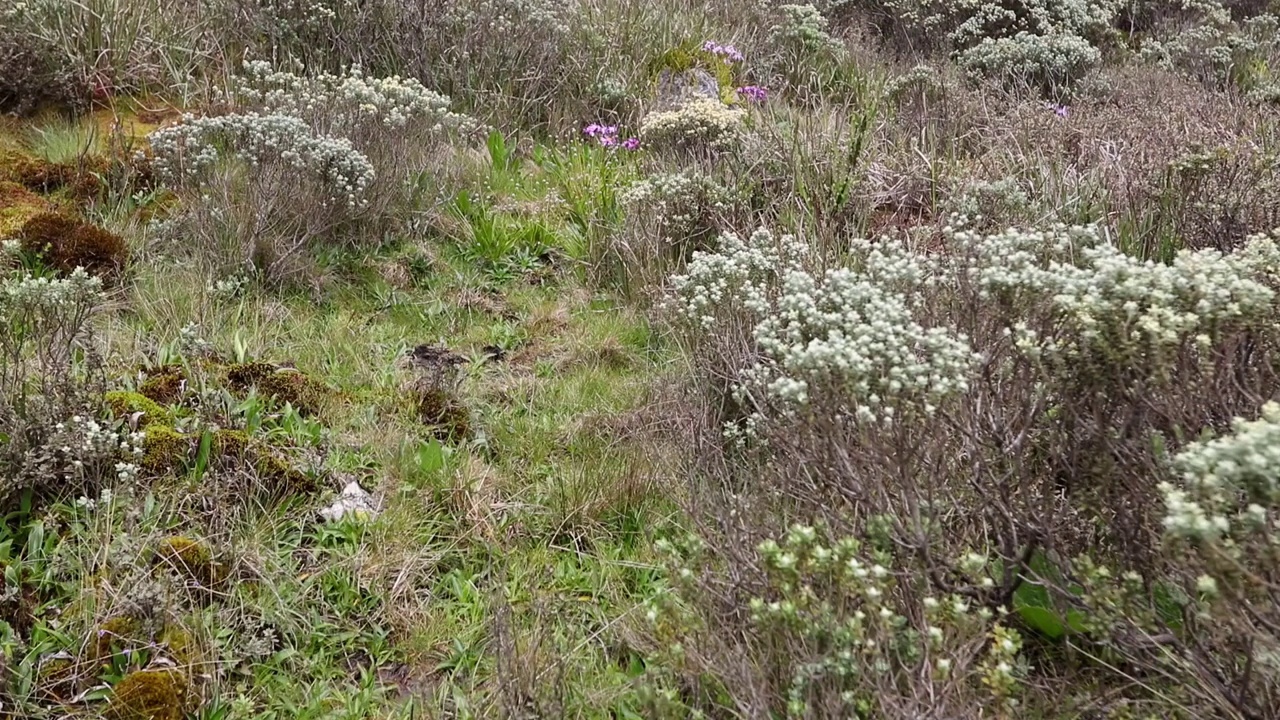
{"x": 302, "y": 161}
{"x": 51, "y": 391}
{"x": 1008, "y": 396}
{"x": 33, "y": 73}
{"x": 1046, "y": 62}
{"x": 699, "y": 125}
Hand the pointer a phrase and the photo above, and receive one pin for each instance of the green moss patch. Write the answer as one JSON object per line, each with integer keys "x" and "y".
{"x": 150, "y": 695}
{"x": 126, "y": 404}
{"x": 190, "y": 558}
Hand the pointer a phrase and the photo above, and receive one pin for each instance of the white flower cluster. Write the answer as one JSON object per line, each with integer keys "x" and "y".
{"x": 1026, "y": 58}
{"x": 290, "y": 16}
{"x": 702, "y": 122}
{"x": 848, "y": 330}
{"x": 804, "y": 29}
{"x": 844, "y": 595}
{"x": 679, "y": 203}
{"x": 82, "y": 444}
{"x": 185, "y": 151}
{"x": 1229, "y": 481}
{"x": 343, "y": 102}
{"x": 1221, "y": 51}
{"x": 1113, "y": 302}
{"x": 510, "y": 17}
{"x": 27, "y": 293}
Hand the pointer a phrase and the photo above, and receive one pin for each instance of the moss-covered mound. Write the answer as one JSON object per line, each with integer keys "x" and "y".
{"x": 17, "y": 206}
{"x": 284, "y": 385}
{"x": 277, "y": 476}
{"x": 165, "y": 384}
{"x": 65, "y": 242}
{"x": 164, "y": 449}
{"x": 150, "y": 695}
{"x": 190, "y": 558}
{"x": 127, "y": 405}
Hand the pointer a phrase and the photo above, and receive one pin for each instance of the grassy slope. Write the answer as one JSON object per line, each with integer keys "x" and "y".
{"x": 503, "y": 566}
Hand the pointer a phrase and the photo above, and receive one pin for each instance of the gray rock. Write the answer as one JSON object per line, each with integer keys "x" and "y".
{"x": 675, "y": 89}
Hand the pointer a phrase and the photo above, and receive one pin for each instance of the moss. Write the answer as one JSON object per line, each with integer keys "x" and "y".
{"x": 164, "y": 449}
{"x": 57, "y": 676}
{"x": 80, "y": 179}
{"x": 124, "y": 403}
{"x": 118, "y": 632}
{"x": 17, "y": 206}
{"x": 278, "y": 477}
{"x": 284, "y": 385}
{"x": 65, "y": 243}
{"x": 190, "y": 558}
{"x": 181, "y": 647}
{"x": 150, "y": 695}
{"x": 165, "y": 384}
{"x": 449, "y": 419}
{"x": 682, "y": 59}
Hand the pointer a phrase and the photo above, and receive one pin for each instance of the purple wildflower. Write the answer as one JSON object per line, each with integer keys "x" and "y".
{"x": 631, "y": 143}
{"x": 753, "y": 93}
{"x": 1059, "y": 110}
{"x": 728, "y": 52}
{"x": 608, "y": 140}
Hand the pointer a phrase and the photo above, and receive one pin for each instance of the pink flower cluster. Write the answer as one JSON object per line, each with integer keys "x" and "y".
{"x": 607, "y": 135}
{"x": 753, "y": 93}
{"x": 728, "y": 52}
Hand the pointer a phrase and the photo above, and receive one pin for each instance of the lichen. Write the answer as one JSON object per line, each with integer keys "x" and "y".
{"x": 65, "y": 242}
{"x": 191, "y": 559}
{"x": 125, "y": 403}
{"x": 284, "y": 385}
{"x": 163, "y": 449}
{"x": 150, "y": 695}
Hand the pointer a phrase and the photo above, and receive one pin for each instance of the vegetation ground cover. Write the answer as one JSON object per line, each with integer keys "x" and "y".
{"x": 586, "y": 358}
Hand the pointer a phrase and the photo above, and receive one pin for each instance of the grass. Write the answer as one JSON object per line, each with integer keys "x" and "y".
{"x": 541, "y": 517}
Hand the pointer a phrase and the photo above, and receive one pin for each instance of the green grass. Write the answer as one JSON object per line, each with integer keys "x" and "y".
{"x": 500, "y": 567}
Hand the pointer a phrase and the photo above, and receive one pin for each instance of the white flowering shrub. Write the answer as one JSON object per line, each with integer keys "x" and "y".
{"x": 855, "y": 632}
{"x": 848, "y": 331}
{"x": 350, "y": 105}
{"x": 51, "y": 391}
{"x": 1221, "y": 520}
{"x": 300, "y": 160}
{"x": 1008, "y": 393}
{"x": 1044, "y": 61}
{"x": 802, "y": 30}
{"x": 1047, "y": 43}
{"x": 683, "y": 207}
{"x": 1220, "y": 52}
{"x": 186, "y": 152}
{"x": 698, "y": 124}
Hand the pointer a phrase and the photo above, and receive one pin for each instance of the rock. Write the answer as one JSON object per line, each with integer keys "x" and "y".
{"x": 353, "y": 501}
{"x": 678, "y": 88}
